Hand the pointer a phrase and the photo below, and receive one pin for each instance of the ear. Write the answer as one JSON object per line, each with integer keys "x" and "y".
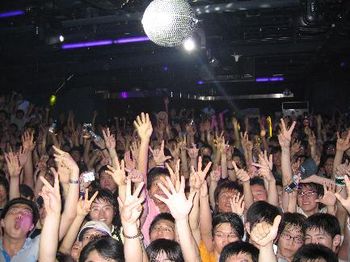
{"x": 336, "y": 242}
{"x": 2, "y": 223}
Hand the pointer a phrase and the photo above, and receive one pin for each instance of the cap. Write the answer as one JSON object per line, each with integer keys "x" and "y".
{"x": 32, "y": 205}
{"x": 97, "y": 225}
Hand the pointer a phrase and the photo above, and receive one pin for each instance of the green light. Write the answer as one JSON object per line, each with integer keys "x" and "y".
{"x": 53, "y": 100}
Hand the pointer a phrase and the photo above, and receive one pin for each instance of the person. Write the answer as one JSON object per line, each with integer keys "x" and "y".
{"x": 162, "y": 226}
{"x": 164, "y": 250}
{"x": 105, "y": 249}
{"x": 239, "y": 251}
{"x": 292, "y": 235}
{"x": 314, "y": 253}
{"x": 18, "y": 219}
{"x": 323, "y": 229}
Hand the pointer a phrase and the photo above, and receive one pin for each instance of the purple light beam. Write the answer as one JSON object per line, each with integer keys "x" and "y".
{"x": 11, "y": 13}
{"x": 128, "y": 40}
{"x": 87, "y": 44}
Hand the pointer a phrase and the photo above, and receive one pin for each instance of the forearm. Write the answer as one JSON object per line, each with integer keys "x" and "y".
{"x": 14, "y": 187}
{"x": 266, "y": 254}
{"x": 143, "y": 156}
{"x": 287, "y": 174}
{"x": 212, "y": 187}
{"x": 236, "y": 136}
{"x": 49, "y": 238}
{"x": 272, "y": 196}
{"x": 248, "y": 196}
{"x": 28, "y": 177}
{"x": 183, "y": 162}
{"x": 337, "y": 161}
{"x": 188, "y": 244}
{"x": 70, "y": 237}
{"x": 205, "y": 222}
{"x": 194, "y": 219}
{"x": 224, "y": 173}
{"x": 71, "y": 201}
{"x": 133, "y": 247}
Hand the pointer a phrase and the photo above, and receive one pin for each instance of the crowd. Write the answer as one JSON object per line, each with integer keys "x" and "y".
{"x": 174, "y": 186}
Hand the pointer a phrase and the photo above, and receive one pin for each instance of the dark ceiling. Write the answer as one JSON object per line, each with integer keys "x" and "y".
{"x": 241, "y": 40}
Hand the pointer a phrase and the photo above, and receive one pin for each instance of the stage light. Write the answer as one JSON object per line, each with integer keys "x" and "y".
{"x": 169, "y": 22}
{"x": 189, "y": 45}
{"x": 11, "y": 13}
{"x": 61, "y": 38}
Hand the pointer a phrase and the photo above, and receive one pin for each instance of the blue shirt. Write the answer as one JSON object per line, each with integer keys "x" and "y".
{"x": 28, "y": 253}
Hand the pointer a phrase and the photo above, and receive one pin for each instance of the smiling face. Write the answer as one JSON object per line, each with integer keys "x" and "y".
{"x": 163, "y": 229}
{"x": 18, "y": 221}
{"x": 102, "y": 210}
{"x": 307, "y": 197}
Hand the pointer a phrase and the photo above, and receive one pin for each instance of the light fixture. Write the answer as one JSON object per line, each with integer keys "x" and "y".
{"x": 189, "y": 44}
{"x": 169, "y": 22}
{"x": 61, "y": 38}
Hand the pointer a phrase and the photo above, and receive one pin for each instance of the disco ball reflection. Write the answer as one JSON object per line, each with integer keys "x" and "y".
{"x": 168, "y": 22}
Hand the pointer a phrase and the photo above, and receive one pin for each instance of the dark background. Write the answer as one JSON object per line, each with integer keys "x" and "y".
{"x": 307, "y": 42}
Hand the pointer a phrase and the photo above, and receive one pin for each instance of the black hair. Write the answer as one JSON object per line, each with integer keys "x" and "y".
{"x": 5, "y": 183}
{"x": 226, "y": 184}
{"x": 294, "y": 220}
{"x": 26, "y": 191}
{"x": 171, "y": 248}
{"x": 60, "y": 257}
{"x": 261, "y": 211}
{"x": 318, "y": 188}
{"x": 106, "y": 247}
{"x": 238, "y": 247}
{"x": 76, "y": 148}
{"x": 23, "y": 201}
{"x": 232, "y": 218}
{"x": 107, "y": 196}
{"x": 313, "y": 252}
{"x": 155, "y": 173}
{"x": 102, "y": 169}
{"x": 161, "y": 216}
{"x": 325, "y": 222}
{"x": 257, "y": 181}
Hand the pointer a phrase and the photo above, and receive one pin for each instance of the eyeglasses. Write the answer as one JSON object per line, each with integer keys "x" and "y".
{"x": 163, "y": 229}
{"x": 296, "y": 239}
{"x": 306, "y": 193}
{"x": 22, "y": 211}
{"x": 223, "y": 235}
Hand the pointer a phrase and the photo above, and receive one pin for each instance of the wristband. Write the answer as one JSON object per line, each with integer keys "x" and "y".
{"x": 71, "y": 181}
{"x": 139, "y": 234}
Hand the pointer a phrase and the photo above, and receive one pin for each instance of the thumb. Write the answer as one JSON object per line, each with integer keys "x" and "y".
{"x": 340, "y": 198}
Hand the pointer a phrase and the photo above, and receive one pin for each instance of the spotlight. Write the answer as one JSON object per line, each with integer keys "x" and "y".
{"x": 189, "y": 45}
{"x": 52, "y": 100}
{"x": 61, "y": 38}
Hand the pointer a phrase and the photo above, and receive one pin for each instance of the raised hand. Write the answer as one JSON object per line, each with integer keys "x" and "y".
{"x": 131, "y": 208}
{"x": 134, "y": 148}
{"x": 13, "y": 165}
{"x": 130, "y": 164}
{"x": 201, "y": 173}
{"x": 135, "y": 176}
{"x": 65, "y": 159}
{"x": 158, "y": 155}
{"x": 264, "y": 233}
{"x": 237, "y": 204}
{"x": 241, "y": 174}
{"x": 265, "y": 166}
{"x": 345, "y": 201}
{"x": 176, "y": 200}
{"x": 23, "y": 156}
{"x": 246, "y": 143}
{"x": 285, "y": 136}
{"x": 143, "y": 126}
{"x": 28, "y": 140}
{"x": 174, "y": 174}
{"x": 312, "y": 139}
{"x": 215, "y": 175}
{"x": 329, "y": 198}
{"x": 295, "y": 148}
{"x": 118, "y": 173}
{"x": 84, "y": 204}
{"x": 109, "y": 139}
{"x": 343, "y": 144}
{"x": 51, "y": 195}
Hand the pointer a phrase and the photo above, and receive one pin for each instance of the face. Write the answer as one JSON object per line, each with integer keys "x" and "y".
{"x": 18, "y": 221}
{"x": 319, "y": 236}
{"x": 94, "y": 256}
{"x": 259, "y": 193}
{"x": 307, "y": 197}
{"x": 290, "y": 241}
{"x": 102, "y": 210}
{"x": 155, "y": 189}
{"x": 163, "y": 229}
{"x": 328, "y": 166}
{"x": 240, "y": 257}
{"x": 107, "y": 182}
{"x": 223, "y": 203}
{"x": 223, "y": 235}
{"x": 89, "y": 235}
{"x": 276, "y": 157}
{"x": 162, "y": 257}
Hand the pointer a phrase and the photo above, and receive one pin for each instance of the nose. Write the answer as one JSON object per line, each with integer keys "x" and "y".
{"x": 101, "y": 214}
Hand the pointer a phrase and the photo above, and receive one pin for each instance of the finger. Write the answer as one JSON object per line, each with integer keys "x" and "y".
{"x": 206, "y": 169}
{"x": 170, "y": 185}
{"x": 257, "y": 165}
{"x": 199, "y": 166}
{"x": 164, "y": 189}
{"x": 235, "y": 166}
{"x": 46, "y": 183}
{"x": 161, "y": 198}
{"x": 120, "y": 202}
{"x": 138, "y": 189}
{"x": 128, "y": 188}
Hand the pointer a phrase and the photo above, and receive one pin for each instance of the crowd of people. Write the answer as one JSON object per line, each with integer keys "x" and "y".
{"x": 173, "y": 186}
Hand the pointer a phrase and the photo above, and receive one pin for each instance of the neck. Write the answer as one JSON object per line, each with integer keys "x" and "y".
{"x": 12, "y": 245}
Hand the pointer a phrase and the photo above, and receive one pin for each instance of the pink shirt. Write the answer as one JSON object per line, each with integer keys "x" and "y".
{"x": 153, "y": 211}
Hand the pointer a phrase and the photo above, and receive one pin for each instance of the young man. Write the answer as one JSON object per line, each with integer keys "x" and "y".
{"x": 18, "y": 219}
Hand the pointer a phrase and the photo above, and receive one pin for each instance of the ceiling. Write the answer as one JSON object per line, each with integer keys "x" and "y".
{"x": 241, "y": 40}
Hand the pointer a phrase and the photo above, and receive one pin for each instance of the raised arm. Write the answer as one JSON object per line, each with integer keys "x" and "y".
{"x": 343, "y": 144}
{"x": 28, "y": 147}
{"x": 14, "y": 170}
{"x": 180, "y": 207}
{"x": 49, "y": 233}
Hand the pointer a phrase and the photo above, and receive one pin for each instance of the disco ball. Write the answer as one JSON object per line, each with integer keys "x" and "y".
{"x": 168, "y": 22}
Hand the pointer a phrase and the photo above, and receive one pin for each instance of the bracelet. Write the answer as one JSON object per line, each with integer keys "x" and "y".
{"x": 230, "y": 168}
{"x": 71, "y": 181}
{"x": 139, "y": 234}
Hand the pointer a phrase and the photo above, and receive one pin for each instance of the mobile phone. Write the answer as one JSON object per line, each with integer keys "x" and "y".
{"x": 88, "y": 176}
